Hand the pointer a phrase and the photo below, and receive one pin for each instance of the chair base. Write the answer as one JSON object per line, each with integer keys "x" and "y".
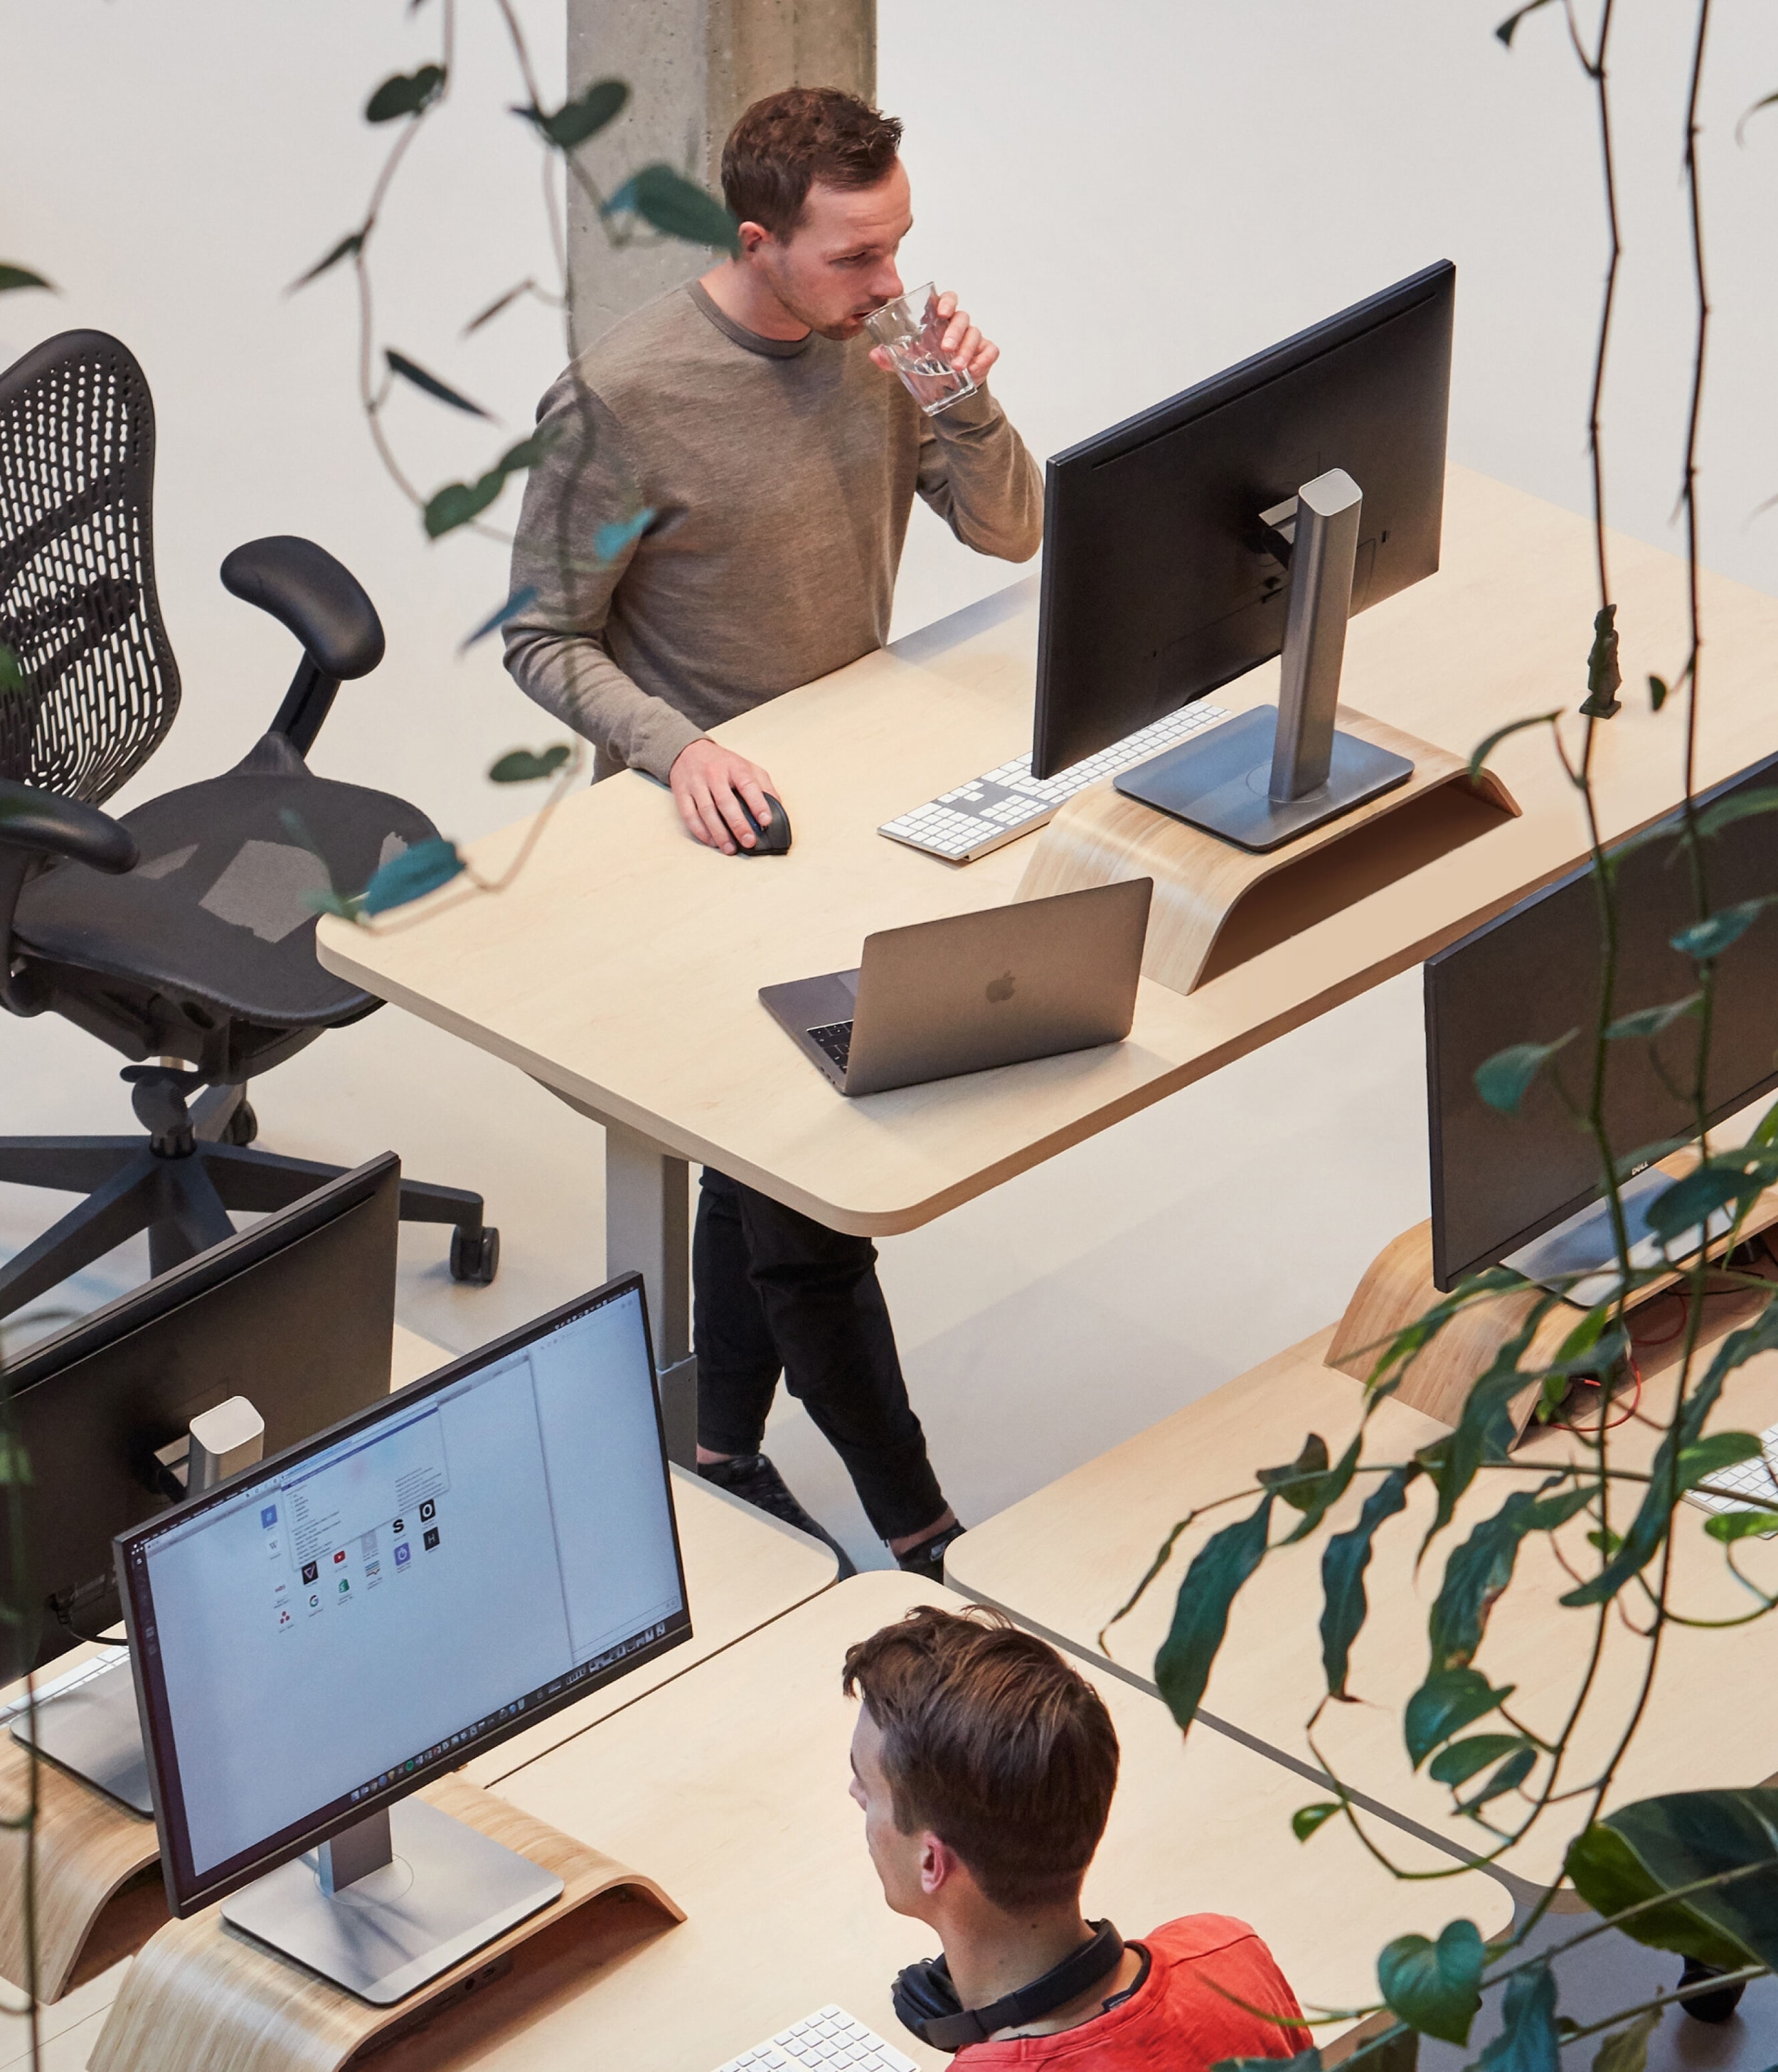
{"x": 183, "y": 1201}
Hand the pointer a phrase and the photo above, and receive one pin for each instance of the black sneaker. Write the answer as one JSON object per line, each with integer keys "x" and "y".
{"x": 752, "y": 1477}
{"x": 927, "y": 1560}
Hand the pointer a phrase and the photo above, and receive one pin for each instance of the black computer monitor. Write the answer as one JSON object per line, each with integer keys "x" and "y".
{"x": 1161, "y": 579}
{"x": 327, "y": 1632}
{"x": 1499, "y": 1181}
{"x": 297, "y": 1315}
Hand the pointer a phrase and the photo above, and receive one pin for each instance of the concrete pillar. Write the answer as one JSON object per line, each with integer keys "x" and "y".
{"x": 692, "y": 66}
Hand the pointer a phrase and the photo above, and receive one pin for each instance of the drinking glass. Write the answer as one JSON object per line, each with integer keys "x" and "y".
{"x": 910, "y": 330}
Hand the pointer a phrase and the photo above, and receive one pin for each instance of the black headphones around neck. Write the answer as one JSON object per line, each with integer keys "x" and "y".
{"x": 926, "y": 1999}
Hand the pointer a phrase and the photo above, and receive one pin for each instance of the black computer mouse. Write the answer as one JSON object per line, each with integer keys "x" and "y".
{"x": 774, "y": 837}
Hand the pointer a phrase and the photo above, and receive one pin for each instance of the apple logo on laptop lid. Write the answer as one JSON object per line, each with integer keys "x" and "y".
{"x": 1001, "y": 988}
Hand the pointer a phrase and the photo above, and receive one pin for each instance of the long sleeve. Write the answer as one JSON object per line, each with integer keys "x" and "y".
{"x": 556, "y": 648}
{"x": 975, "y": 473}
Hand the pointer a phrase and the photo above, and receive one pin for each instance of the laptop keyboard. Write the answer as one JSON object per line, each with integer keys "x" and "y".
{"x": 835, "y": 1038}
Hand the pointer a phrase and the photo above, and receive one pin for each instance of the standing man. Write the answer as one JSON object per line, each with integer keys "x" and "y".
{"x": 754, "y": 466}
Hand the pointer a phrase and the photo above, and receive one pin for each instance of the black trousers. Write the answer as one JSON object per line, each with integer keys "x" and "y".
{"x": 775, "y": 1292}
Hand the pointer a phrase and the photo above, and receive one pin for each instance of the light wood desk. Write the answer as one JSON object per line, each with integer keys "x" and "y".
{"x": 622, "y": 969}
{"x": 1064, "y": 1559}
{"x": 729, "y": 1787}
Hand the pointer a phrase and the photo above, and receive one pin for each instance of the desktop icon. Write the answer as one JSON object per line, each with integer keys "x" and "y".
{"x": 428, "y": 1509}
{"x": 268, "y": 1518}
{"x": 398, "y": 1525}
{"x": 311, "y": 1570}
{"x": 432, "y": 1536}
{"x": 314, "y": 1602}
{"x": 344, "y": 1585}
{"x": 403, "y": 1555}
{"x": 340, "y": 1554}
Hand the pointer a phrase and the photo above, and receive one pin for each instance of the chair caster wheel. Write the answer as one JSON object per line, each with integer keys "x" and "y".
{"x": 242, "y": 1126}
{"x": 475, "y": 1256}
{"x": 1715, "y": 2007}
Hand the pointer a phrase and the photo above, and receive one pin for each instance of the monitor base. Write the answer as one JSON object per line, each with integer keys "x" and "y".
{"x": 94, "y": 1731}
{"x": 447, "y": 1889}
{"x": 1221, "y": 782}
{"x": 1584, "y": 1244}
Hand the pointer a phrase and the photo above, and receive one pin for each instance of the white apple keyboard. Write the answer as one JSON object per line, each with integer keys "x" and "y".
{"x": 1008, "y": 802}
{"x": 828, "y": 2038}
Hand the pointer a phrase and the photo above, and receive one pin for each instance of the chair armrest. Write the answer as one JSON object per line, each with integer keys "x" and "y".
{"x": 320, "y": 599}
{"x": 41, "y": 822}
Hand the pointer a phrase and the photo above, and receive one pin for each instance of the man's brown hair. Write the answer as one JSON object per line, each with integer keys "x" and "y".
{"x": 993, "y": 1743}
{"x": 784, "y": 144}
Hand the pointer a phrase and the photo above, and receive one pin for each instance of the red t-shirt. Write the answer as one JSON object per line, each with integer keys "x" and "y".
{"x": 1176, "y": 2020}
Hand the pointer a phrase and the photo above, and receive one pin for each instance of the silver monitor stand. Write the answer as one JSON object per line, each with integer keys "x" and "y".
{"x": 1272, "y": 774}
{"x": 392, "y": 1902}
{"x": 1584, "y": 1244}
{"x": 94, "y": 1730}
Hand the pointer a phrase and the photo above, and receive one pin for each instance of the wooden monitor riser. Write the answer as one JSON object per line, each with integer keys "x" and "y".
{"x": 1397, "y": 1287}
{"x": 1216, "y": 906}
{"x": 201, "y": 1998}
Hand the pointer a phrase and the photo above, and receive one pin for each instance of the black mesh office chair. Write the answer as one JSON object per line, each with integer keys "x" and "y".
{"x": 182, "y": 930}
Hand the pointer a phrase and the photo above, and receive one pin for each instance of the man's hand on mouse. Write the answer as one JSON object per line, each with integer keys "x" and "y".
{"x": 708, "y": 781}
{"x": 962, "y": 344}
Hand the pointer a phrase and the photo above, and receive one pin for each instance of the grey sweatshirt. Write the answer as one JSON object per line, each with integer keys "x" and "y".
{"x": 779, "y": 475}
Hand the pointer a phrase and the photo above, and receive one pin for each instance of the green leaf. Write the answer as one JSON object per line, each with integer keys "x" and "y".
{"x": 400, "y": 363}
{"x": 1658, "y": 693}
{"x": 1294, "y": 1483}
{"x": 1679, "y": 1211}
{"x": 1463, "y": 1760}
{"x": 1510, "y": 1775}
{"x": 15, "y": 1461}
{"x": 671, "y": 203}
{"x": 1436, "y": 1988}
{"x": 1765, "y": 101}
{"x": 405, "y": 93}
{"x": 1503, "y": 1080}
{"x": 1507, "y": 28}
{"x": 348, "y": 247}
{"x": 613, "y": 538}
{"x": 1481, "y": 1567}
{"x": 1200, "y": 1616}
{"x": 1320, "y": 1497}
{"x": 1478, "y": 761}
{"x": 459, "y": 502}
{"x": 1305, "y": 2061}
{"x": 1714, "y": 1452}
{"x": 411, "y": 875}
{"x": 1661, "y": 1845}
{"x": 1651, "y": 1020}
{"x": 1307, "y": 1820}
{"x": 1528, "y": 2041}
{"x": 499, "y": 303}
{"x": 1344, "y": 1561}
{"x": 1449, "y": 1700}
{"x": 576, "y": 120}
{"x": 1484, "y": 1429}
{"x": 1740, "y": 806}
{"x": 1627, "y": 2049}
{"x": 1603, "y": 675}
{"x": 521, "y": 767}
{"x": 12, "y": 677}
{"x": 1729, "y": 1525}
{"x": 1706, "y": 940}
{"x": 521, "y": 600}
{"x": 21, "y": 277}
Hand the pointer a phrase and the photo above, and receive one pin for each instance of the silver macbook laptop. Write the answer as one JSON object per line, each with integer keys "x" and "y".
{"x": 964, "y": 995}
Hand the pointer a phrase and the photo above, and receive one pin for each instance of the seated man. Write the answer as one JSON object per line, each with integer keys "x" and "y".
{"x": 985, "y": 1767}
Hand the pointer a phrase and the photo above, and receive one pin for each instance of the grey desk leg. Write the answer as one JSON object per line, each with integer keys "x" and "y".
{"x": 648, "y": 1231}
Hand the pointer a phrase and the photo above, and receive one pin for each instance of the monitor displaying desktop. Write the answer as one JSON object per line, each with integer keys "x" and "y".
{"x": 336, "y": 1627}
{"x": 296, "y": 1313}
{"x": 1162, "y": 577}
{"x": 1500, "y": 1182}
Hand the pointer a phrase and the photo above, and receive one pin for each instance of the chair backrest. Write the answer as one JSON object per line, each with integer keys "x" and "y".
{"x": 77, "y": 605}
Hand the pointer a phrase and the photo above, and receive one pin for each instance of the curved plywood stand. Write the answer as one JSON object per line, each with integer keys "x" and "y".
{"x": 1216, "y": 906}
{"x": 1397, "y": 1287}
{"x": 201, "y": 1998}
{"x": 88, "y": 1847}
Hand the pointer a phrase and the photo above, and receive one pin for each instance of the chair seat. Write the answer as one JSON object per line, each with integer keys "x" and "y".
{"x": 218, "y": 910}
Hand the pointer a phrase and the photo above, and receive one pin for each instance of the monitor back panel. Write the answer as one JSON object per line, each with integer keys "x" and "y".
{"x": 301, "y": 1327}
{"x": 1156, "y": 585}
{"x": 1533, "y": 974}
{"x": 975, "y": 991}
